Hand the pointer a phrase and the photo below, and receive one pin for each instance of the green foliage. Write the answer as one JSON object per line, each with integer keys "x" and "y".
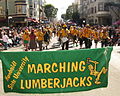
{"x": 63, "y": 16}
{"x": 75, "y": 16}
{"x": 50, "y": 11}
{"x": 69, "y": 12}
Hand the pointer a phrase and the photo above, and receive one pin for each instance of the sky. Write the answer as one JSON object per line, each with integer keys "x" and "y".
{"x": 62, "y": 5}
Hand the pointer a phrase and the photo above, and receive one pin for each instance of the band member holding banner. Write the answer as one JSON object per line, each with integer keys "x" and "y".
{"x": 64, "y": 37}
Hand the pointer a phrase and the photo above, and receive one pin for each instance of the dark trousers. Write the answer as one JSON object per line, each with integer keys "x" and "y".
{"x": 65, "y": 45}
{"x": 104, "y": 42}
{"x": 118, "y": 44}
{"x": 5, "y": 45}
{"x": 40, "y": 45}
{"x": 81, "y": 41}
{"x": 88, "y": 42}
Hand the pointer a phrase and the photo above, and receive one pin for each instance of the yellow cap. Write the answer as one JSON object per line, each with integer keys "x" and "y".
{"x": 64, "y": 25}
{"x": 26, "y": 31}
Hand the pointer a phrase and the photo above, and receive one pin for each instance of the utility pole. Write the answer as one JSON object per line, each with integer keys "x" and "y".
{"x": 40, "y": 5}
{"x": 39, "y": 2}
{"x": 6, "y": 11}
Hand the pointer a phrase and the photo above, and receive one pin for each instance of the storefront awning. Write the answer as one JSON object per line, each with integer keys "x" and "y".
{"x": 117, "y": 23}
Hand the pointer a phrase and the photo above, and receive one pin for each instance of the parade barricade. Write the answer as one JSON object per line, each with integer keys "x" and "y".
{"x": 55, "y": 71}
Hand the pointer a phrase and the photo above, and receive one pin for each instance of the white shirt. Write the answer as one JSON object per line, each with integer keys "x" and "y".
{"x": 5, "y": 38}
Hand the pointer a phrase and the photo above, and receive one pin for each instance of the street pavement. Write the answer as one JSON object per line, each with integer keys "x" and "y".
{"x": 113, "y": 88}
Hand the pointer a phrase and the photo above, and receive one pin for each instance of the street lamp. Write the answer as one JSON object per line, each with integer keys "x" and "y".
{"x": 83, "y": 21}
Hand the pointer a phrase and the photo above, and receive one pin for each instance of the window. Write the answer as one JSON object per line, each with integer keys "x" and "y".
{"x": 35, "y": 13}
{"x": 92, "y": 10}
{"x": 88, "y": 11}
{"x": 21, "y": 9}
{"x": 18, "y": 9}
{"x": 100, "y": 7}
{"x": 106, "y": 8}
{"x": 95, "y": 20}
{"x": 91, "y": 1}
{"x": 95, "y": 9}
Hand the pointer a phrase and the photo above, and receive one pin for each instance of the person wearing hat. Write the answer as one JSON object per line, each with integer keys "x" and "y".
{"x": 96, "y": 36}
{"x": 74, "y": 33}
{"x": 26, "y": 39}
{"x": 64, "y": 37}
{"x": 46, "y": 38}
{"x": 40, "y": 38}
{"x": 104, "y": 37}
{"x": 32, "y": 43}
{"x": 59, "y": 35}
{"x": 87, "y": 36}
{"x": 80, "y": 37}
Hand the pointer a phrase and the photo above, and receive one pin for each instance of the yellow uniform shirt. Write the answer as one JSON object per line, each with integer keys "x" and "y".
{"x": 80, "y": 33}
{"x": 64, "y": 33}
{"x": 40, "y": 36}
{"x": 26, "y": 36}
{"x": 87, "y": 32}
{"x": 104, "y": 35}
{"x": 95, "y": 35}
{"x": 74, "y": 32}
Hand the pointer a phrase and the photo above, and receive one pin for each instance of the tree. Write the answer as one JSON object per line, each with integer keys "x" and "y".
{"x": 69, "y": 12}
{"x": 50, "y": 11}
{"x": 76, "y": 16}
{"x": 63, "y": 16}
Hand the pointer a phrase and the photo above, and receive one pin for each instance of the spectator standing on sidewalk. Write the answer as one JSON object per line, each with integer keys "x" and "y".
{"x": 5, "y": 40}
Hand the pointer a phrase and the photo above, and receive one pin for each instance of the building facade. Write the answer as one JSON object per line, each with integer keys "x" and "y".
{"x": 4, "y": 12}
{"x": 20, "y": 10}
{"x": 96, "y": 11}
{"x": 114, "y": 8}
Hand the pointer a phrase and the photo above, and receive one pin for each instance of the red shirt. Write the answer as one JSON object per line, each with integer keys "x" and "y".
{"x": 32, "y": 36}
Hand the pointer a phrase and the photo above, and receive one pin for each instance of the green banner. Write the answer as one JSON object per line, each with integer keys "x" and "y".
{"x": 55, "y": 71}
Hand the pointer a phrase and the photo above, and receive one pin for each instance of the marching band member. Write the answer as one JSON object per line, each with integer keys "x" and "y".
{"x": 64, "y": 37}
{"x": 40, "y": 38}
{"x": 26, "y": 39}
{"x": 80, "y": 37}
{"x": 96, "y": 37}
{"x": 104, "y": 37}
{"x": 74, "y": 33}
{"x": 87, "y": 36}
